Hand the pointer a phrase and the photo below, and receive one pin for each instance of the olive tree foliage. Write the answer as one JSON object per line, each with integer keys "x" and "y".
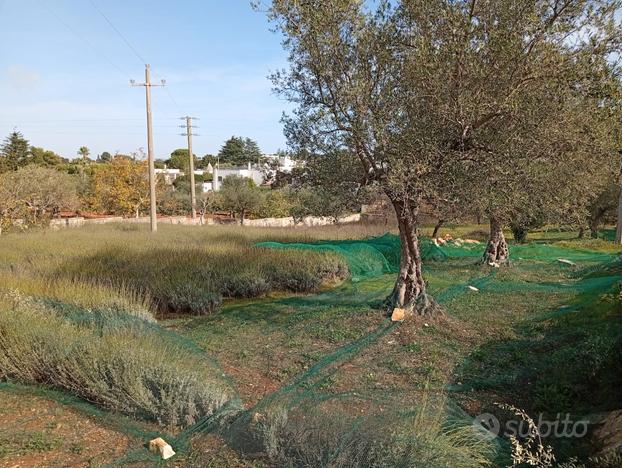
{"x": 616, "y": 172}
{"x": 331, "y": 185}
{"x": 517, "y": 97}
{"x": 597, "y": 193}
{"x": 240, "y": 196}
{"x": 603, "y": 208}
{"x": 32, "y": 195}
{"x": 429, "y": 91}
{"x": 207, "y": 202}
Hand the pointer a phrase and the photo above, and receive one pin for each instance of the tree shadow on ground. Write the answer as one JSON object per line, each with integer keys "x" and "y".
{"x": 566, "y": 362}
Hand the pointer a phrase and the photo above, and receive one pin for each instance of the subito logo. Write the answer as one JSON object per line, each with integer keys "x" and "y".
{"x": 487, "y": 425}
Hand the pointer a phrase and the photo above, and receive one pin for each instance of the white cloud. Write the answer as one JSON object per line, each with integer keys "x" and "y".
{"x": 21, "y": 78}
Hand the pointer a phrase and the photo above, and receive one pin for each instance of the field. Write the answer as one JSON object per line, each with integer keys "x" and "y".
{"x": 261, "y": 356}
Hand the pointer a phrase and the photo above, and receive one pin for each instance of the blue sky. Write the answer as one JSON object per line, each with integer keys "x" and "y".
{"x": 63, "y": 91}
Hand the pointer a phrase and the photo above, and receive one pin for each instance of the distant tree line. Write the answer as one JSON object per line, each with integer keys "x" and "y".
{"x": 37, "y": 185}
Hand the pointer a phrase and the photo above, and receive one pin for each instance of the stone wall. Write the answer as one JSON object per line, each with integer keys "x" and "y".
{"x": 307, "y": 221}
{"x": 264, "y": 222}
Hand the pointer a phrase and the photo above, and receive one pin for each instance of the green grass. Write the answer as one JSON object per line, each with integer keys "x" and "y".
{"x": 26, "y": 442}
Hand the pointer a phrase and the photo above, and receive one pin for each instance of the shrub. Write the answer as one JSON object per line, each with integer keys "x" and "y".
{"x": 185, "y": 297}
{"x": 276, "y": 204}
{"x": 245, "y": 285}
{"x": 323, "y": 436}
{"x": 194, "y": 280}
{"x": 182, "y": 269}
{"x": 81, "y": 295}
{"x": 135, "y": 368}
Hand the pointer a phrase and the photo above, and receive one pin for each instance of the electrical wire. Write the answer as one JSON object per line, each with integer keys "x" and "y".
{"x": 134, "y": 51}
{"x": 123, "y": 38}
{"x": 85, "y": 40}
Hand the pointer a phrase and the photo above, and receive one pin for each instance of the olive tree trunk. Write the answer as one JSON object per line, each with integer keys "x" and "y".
{"x": 619, "y": 225}
{"x": 594, "y": 222}
{"x": 437, "y": 228}
{"x": 497, "y": 252}
{"x": 409, "y": 291}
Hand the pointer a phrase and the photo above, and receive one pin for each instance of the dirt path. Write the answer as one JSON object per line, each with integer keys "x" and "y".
{"x": 39, "y": 432}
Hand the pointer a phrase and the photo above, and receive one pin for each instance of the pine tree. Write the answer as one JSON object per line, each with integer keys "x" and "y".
{"x": 14, "y": 152}
{"x": 239, "y": 151}
{"x": 252, "y": 153}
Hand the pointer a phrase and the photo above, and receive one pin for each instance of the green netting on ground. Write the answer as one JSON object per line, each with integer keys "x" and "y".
{"x": 366, "y": 259}
{"x": 372, "y": 257}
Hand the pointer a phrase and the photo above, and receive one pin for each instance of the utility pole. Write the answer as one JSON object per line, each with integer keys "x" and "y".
{"x": 193, "y": 195}
{"x": 152, "y": 179}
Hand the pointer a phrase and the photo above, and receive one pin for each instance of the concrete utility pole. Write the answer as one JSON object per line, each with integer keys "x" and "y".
{"x": 152, "y": 179}
{"x": 193, "y": 195}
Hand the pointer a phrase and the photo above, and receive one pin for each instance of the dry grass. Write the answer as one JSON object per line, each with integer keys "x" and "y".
{"x": 180, "y": 269}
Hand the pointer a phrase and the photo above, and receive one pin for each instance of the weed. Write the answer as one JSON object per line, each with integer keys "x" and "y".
{"x": 24, "y": 442}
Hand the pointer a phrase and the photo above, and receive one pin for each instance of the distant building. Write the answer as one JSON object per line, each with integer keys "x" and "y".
{"x": 169, "y": 175}
{"x": 257, "y": 173}
{"x": 249, "y": 172}
{"x": 284, "y": 163}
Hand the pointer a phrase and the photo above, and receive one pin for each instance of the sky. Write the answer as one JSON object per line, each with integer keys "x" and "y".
{"x": 64, "y": 74}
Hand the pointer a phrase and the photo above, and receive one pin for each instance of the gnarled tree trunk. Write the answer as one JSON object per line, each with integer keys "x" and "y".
{"x": 409, "y": 291}
{"x": 594, "y": 222}
{"x": 497, "y": 252}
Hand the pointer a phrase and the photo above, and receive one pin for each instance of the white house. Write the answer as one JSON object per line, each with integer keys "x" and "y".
{"x": 257, "y": 173}
{"x": 169, "y": 175}
{"x": 285, "y": 163}
{"x": 249, "y": 172}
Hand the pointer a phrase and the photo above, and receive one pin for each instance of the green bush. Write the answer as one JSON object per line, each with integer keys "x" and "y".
{"x": 188, "y": 297}
{"x": 246, "y": 285}
{"x": 276, "y": 204}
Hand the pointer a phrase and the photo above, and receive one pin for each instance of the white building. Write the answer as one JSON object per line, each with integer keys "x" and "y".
{"x": 249, "y": 172}
{"x": 258, "y": 174}
{"x": 169, "y": 175}
{"x": 285, "y": 163}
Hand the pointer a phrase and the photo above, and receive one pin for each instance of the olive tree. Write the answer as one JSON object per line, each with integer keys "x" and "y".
{"x": 240, "y": 196}
{"x": 514, "y": 88}
{"x": 32, "y": 195}
{"x": 430, "y": 91}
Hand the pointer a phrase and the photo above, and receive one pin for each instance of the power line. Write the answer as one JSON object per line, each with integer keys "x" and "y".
{"x": 134, "y": 50}
{"x": 123, "y": 38}
{"x": 84, "y": 39}
{"x": 168, "y": 93}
